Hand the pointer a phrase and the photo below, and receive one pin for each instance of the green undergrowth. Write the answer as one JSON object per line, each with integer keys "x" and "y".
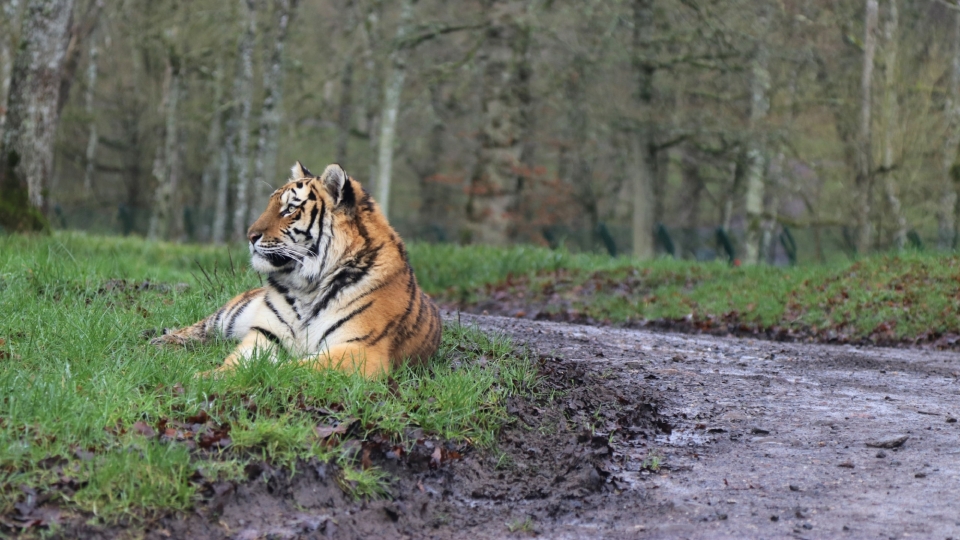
{"x": 910, "y": 297}
{"x": 98, "y": 420}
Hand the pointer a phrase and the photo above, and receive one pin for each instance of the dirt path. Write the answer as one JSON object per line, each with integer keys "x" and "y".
{"x": 768, "y": 439}
{"x": 755, "y": 439}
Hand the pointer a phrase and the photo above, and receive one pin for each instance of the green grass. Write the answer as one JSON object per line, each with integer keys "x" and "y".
{"x": 84, "y": 398}
{"x": 907, "y": 297}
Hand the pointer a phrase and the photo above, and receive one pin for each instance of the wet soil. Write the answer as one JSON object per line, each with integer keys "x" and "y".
{"x": 646, "y": 435}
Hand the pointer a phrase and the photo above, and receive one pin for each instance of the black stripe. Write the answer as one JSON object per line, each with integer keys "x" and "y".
{"x": 351, "y": 273}
{"x": 313, "y": 217}
{"x": 386, "y": 281}
{"x": 273, "y": 308}
{"x": 360, "y": 338}
{"x": 320, "y": 235}
{"x": 410, "y": 287}
{"x": 341, "y": 322}
{"x": 282, "y": 289}
{"x": 233, "y": 317}
{"x": 267, "y": 334}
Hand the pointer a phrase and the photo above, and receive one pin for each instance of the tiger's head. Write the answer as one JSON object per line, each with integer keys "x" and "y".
{"x": 298, "y": 232}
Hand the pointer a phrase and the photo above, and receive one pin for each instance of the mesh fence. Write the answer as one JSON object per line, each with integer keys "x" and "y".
{"x": 786, "y": 245}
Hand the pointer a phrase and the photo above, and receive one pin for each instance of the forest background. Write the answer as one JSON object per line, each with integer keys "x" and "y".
{"x": 800, "y": 129}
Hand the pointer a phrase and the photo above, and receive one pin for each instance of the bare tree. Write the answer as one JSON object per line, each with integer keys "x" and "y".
{"x": 236, "y": 137}
{"x": 393, "y": 87}
{"x": 265, "y": 162}
{"x": 493, "y": 186}
{"x": 891, "y": 121}
{"x": 93, "y": 56}
{"x": 166, "y": 166}
{"x": 864, "y": 178}
{"x": 948, "y": 197}
{"x": 208, "y": 192}
{"x": 243, "y": 96}
{"x": 32, "y": 105}
{"x": 7, "y": 26}
{"x": 643, "y": 142}
{"x": 756, "y": 145}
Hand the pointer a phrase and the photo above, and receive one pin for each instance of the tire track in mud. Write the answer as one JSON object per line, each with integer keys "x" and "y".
{"x": 771, "y": 439}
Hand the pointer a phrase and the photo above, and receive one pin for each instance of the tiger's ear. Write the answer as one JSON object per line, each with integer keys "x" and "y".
{"x": 334, "y": 178}
{"x": 299, "y": 172}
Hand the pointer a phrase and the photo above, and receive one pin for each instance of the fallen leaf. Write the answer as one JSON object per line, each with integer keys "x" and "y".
{"x": 144, "y": 429}
{"x": 328, "y": 431}
{"x": 435, "y": 457}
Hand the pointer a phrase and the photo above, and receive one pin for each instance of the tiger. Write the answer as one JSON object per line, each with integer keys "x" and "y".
{"x": 340, "y": 292}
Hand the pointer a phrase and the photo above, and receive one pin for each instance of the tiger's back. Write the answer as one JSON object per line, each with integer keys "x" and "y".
{"x": 340, "y": 290}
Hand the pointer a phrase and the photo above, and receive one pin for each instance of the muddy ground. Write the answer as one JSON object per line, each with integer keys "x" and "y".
{"x": 648, "y": 435}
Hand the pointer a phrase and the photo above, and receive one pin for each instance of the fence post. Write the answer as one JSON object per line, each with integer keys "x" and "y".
{"x": 607, "y": 239}
{"x": 664, "y": 237}
{"x": 724, "y": 240}
{"x": 789, "y": 245}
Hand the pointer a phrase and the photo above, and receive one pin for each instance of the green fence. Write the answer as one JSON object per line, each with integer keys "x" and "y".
{"x": 787, "y": 245}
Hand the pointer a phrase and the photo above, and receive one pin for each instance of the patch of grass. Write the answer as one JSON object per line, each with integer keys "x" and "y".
{"x": 892, "y": 298}
{"x": 521, "y": 526}
{"x": 96, "y": 418}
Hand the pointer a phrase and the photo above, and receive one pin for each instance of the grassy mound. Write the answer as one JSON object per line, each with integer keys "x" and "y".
{"x": 94, "y": 419}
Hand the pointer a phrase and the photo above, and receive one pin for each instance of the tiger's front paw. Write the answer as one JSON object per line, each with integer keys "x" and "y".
{"x": 169, "y": 337}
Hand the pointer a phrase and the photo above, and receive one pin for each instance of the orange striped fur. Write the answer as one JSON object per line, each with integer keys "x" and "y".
{"x": 340, "y": 291}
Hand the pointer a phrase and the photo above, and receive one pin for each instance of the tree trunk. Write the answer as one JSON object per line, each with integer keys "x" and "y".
{"x": 243, "y": 97}
{"x": 493, "y": 187}
{"x": 644, "y": 152}
{"x": 576, "y": 168}
{"x": 236, "y": 133}
{"x": 370, "y": 117}
{"x": 91, "y": 153}
{"x": 948, "y": 198}
{"x": 891, "y": 122}
{"x": 265, "y": 165}
{"x": 432, "y": 194}
{"x": 864, "y": 178}
{"x": 6, "y": 65}
{"x": 345, "y": 111}
{"x": 756, "y": 145}
{"x": 166, "y": 167}
{"x": 393, "y": 88}
{"x": 32, "y": 115}
{"x": 691, "y": 190}
{"x": 208, "y": 193}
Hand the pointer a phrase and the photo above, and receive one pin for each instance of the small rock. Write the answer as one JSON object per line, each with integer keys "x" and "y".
{"x": 889, "y": 443}
{"x": 846, "y": 465}
{"x": 774, "y": 518}
{"x": 794, "y": 487}
{"x": 951, "y": 420}
{"x": 920, "y": 475}
{"x": 759, "y": 431}
{"x": 807, "y": 526}
{"x": 881, "y": 454}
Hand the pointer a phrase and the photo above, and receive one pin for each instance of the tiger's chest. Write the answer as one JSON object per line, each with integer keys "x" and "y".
{"x": 299, "y": 323}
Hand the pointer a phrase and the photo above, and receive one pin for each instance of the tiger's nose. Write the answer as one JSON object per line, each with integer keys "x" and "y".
{"x": 254, "y": 236}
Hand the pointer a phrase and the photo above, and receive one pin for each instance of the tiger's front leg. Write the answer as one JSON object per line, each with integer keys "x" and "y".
{"x": 247, "y": 317}
{"x": 227, "y": 322}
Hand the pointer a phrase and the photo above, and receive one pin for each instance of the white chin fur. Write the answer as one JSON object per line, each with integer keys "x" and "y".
{"x": 260, "y": 264}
